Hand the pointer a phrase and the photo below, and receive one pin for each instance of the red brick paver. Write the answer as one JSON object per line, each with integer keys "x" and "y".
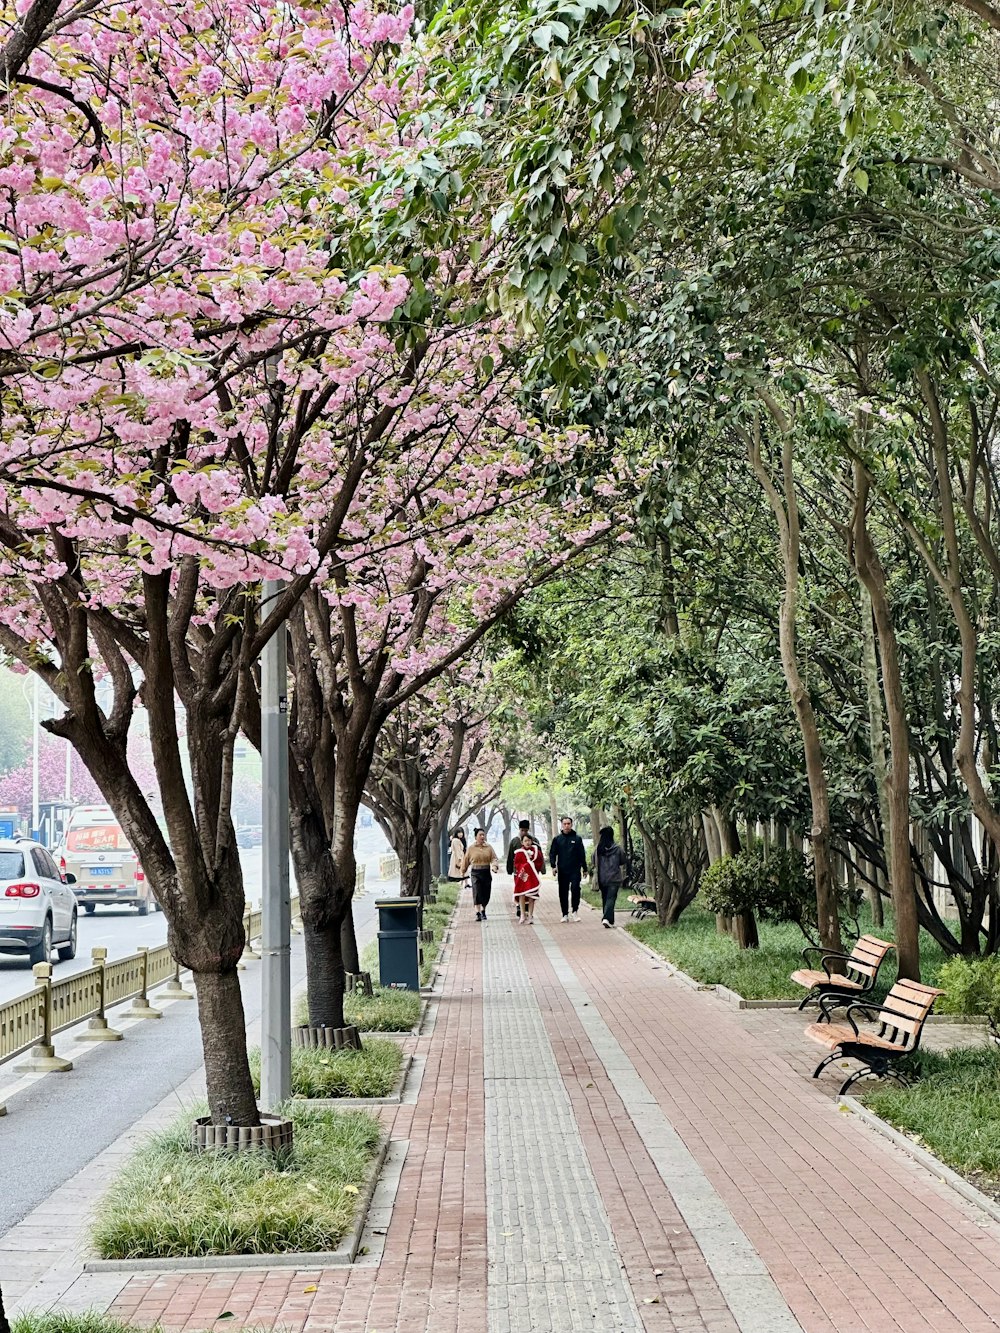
{"x": 855, "y": 1234}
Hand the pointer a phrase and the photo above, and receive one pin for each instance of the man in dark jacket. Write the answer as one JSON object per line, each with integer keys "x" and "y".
{"x": 568, "y": 858}
{"x": 524, "y": 826}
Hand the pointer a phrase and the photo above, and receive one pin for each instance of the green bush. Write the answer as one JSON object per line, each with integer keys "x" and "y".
{"x": 775, "y": 885}
{"x": 971, "y": 986}
{"x": 370, "y": 1072}
{"x": 169, "y": 1201}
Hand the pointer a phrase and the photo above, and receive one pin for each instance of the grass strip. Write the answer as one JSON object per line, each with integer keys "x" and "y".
{"x": 88, "y": 1322}
{"x": 169, "y": 1201}
{"x": 316, "y": 1072}
{"x": 696, "y": 947}
{"x": 953, "y": 1111}
{"x": 385, "y": 1011}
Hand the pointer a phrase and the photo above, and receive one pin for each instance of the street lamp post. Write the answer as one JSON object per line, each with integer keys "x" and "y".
{"x": 35, "y": 739}
{"x": 276, "y": 1017}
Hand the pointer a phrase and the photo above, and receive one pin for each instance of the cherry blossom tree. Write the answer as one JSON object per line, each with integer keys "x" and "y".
{"x": 191, "y": 385}
{"x": 426, "y": 753}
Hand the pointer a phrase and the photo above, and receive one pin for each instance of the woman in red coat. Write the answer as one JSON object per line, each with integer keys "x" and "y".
{"x": 529, "y": 859}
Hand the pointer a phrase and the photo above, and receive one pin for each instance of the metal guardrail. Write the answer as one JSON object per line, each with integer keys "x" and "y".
{"x": 29, "y": 1022}
{"x": 388, "y": 866}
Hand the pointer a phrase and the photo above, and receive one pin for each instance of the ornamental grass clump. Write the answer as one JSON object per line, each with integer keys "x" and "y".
{"x": 317, "y": 1072}
{"x": 385, "y": 1011}
{"x": 89, "y": 1322}
{"x": 170, "y": 1201}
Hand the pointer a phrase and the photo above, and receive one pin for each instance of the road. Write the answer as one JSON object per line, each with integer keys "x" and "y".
{"x": 121, "y": 931}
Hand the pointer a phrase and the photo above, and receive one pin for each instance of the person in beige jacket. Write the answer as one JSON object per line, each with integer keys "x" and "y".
{"x": 481, "y": 861}
{"x": 458, "y": 850}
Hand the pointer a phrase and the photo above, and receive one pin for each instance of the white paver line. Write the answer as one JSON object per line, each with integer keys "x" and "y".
{"x": 553, "y": 1260}
{"x": 742, "y": 1277}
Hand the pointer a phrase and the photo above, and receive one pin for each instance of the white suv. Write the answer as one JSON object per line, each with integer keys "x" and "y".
{"x": 37, "y": 907}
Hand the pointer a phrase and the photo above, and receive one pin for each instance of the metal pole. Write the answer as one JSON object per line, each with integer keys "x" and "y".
{"x": 69, "y": 772}
{"x": 276, "y": 1016}
{"x": 35, "y": 729}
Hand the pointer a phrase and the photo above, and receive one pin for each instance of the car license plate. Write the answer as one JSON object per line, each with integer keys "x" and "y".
{"x": 100, "y": 870}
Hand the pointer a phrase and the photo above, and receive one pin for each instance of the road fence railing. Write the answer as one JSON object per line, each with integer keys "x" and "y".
{"x": 29, "y": 1023}
{"x": 388, "y": 866}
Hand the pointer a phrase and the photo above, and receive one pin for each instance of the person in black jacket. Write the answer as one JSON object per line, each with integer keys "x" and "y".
{"x": 523, "y": 827}
{"x": 609, "y": 867}
{"x": 568, "y": 858}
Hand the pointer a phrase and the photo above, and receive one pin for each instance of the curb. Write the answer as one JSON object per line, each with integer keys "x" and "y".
{"x": 343, "y": 1256}
{"x": 921, "y": 1155}
{"x": 361, "y": 1103}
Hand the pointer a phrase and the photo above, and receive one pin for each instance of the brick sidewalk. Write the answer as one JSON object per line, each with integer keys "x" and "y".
{"x": 625, "y": 1156}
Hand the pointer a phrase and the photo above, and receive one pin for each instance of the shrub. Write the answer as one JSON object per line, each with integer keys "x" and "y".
{"x": 775, "y": 885}
{"x": 971, "y": 986}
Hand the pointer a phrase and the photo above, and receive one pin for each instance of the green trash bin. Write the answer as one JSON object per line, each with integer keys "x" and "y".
{"x": 398, "y": 945}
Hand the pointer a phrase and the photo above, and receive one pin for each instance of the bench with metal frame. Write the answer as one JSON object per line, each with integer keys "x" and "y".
{"x": 858, "y": 978}
{"x": 642, "y": 906}
{"x": 901, "y": 1021}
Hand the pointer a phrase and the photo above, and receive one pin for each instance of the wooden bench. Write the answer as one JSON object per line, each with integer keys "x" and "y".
{"x": 641, "y": 905}
{"x": 855, "y": 980}
{"x": 901, "y": 1020}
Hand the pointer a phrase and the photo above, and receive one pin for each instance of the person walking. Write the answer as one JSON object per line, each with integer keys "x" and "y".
{"x": 481, "y": 861}
{"x": 458, "y": 850}
{"x": 568, "y": 858}
{"x": 523, "y": 827}
{"x": 609, "y": 865}
{"x": 529, "y": 862}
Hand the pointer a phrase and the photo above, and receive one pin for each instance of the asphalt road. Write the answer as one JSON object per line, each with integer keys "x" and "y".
{"x": 121, "y": 930}
{"x": 57, "y": 1125}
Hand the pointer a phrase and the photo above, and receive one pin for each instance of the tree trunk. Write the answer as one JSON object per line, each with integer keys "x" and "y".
{"x": 4, "y": 1325}
{"x": 553, "y": 808}
{"x": 898, "y": 776}
{"x": 596, "y": 824}
{"x": 231, "y": 1096}
{"x": 743, "y": 926}
{"x": 322, "y": 911}
{"x": 875, "y": 727}
{"x": 872, "y": 883}
{"x": 349, "y": 944}
{"x": 786, "y": 513}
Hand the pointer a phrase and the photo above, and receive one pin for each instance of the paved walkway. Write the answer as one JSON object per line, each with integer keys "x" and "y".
{"x": 594, "y": 1146}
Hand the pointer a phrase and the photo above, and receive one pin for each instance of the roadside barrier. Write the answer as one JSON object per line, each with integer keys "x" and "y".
{"x": 29, "y": 1023}
{"x": 388, "y": 866}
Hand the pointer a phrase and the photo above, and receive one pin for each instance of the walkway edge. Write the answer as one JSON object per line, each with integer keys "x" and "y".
{"x": 926, "y": 1159}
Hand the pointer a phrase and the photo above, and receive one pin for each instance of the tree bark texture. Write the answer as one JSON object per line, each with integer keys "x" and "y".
{"x": 869, "y": 661}
{"x": 231, "y": 1096}
{"x": 784, "y": 504}
{"x": 897, "y": 777}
